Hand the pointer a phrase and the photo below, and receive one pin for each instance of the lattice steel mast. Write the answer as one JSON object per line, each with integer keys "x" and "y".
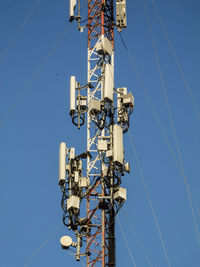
{"x": 100, "y": 188}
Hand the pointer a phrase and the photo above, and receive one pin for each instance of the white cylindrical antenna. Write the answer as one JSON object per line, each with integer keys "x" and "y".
{"x": 62, "y": 163}
{"x": 72, "y": 5}
{"x": 72, "y": 95}
{"x": 108, "y": 82}
{"x": 118, "y": 149}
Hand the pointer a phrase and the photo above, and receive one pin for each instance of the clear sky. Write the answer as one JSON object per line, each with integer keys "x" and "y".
{"x": 36, "y": 99}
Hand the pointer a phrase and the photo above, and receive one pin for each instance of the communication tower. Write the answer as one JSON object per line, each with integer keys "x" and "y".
{"x": 105, "y": 110}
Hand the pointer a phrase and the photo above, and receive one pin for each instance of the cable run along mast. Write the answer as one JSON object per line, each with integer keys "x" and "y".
{"x": 106, "y": 111}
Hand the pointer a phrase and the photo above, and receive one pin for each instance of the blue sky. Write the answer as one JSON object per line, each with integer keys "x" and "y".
{"x": 30, "y": 135}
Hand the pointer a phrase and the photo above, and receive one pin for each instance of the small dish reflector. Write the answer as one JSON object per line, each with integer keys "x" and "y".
{"x": 65, "y": 241}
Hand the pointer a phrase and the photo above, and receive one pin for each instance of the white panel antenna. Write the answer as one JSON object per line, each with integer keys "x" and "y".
{"x": 108, "y": 82}
{"x": 72, "y": 6}
{"x": 72, "y": 95}
{"x": 118, "y": 150}
{"x": 62, "y": 163}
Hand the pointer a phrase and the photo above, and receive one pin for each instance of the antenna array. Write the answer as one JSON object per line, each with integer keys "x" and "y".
{"x": 106, "y": 111}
